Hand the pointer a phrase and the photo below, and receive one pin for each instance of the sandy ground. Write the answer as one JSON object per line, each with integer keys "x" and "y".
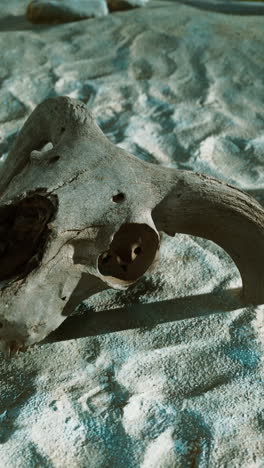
{"x": 169, "y": 374}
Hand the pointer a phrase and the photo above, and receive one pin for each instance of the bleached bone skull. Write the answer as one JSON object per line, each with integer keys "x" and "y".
{"x": 86, "y": 215}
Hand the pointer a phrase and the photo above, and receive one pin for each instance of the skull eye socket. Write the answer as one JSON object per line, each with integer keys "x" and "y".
{"x": 23, "y": 234}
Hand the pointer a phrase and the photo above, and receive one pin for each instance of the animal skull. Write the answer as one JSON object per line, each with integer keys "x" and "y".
{"x": 86, "y": 215}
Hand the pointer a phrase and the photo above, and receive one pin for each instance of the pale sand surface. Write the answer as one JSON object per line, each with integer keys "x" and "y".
{"x": 170, "y": 375}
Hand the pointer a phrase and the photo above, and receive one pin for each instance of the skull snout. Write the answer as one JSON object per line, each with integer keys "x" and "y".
{"x": 131, "y": 252}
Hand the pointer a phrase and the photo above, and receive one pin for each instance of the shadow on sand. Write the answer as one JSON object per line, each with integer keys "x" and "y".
{"x": 227, "y": 6}
{"x": 146, "y": 315}
{"x": 20, "y": 23}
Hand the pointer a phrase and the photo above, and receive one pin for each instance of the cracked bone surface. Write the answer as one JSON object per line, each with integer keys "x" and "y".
{"x": 86, "y": 215}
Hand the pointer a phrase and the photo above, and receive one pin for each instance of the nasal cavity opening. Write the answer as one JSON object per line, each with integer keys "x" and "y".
{"x": 131, "y": 252}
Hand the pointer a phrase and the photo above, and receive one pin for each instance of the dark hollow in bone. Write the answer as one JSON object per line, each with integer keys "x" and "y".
{"x": 131, "y": 252}
{"x": 23, "y": 234}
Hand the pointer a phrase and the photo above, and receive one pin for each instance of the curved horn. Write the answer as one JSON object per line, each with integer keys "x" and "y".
{"x": 52, "y": 120}
{"x": 206, "y": 207}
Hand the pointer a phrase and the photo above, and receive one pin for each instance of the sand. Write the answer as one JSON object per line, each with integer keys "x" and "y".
{"x": 169, "y": 374}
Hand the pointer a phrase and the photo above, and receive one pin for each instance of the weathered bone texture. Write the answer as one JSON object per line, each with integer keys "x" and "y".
{"x": 86, "y": 215}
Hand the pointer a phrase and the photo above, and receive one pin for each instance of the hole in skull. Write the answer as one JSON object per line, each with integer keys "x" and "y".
{"x": 131, "y": 252}
{"x": 53, "y": 159}
{"x": 1, "y": 325}
{"x": 23, "y": 234}
{"x": 118, "y": 198}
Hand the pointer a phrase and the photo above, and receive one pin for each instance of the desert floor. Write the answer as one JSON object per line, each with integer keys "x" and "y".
{"x": 170, "y": 373}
